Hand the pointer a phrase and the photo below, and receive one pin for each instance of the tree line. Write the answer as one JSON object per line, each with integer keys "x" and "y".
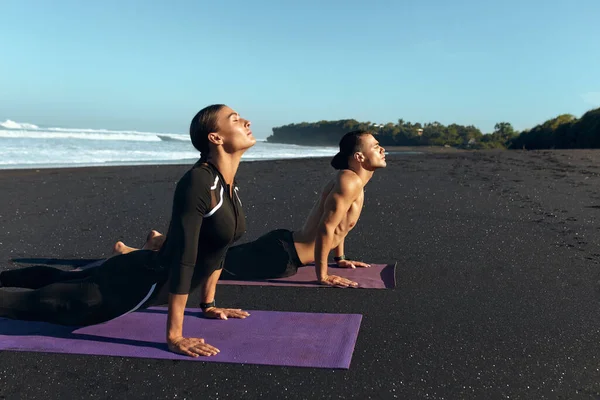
{"x": 563, "y": 132}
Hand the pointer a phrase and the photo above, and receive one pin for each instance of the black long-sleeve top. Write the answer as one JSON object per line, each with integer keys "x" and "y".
{"x": 206, "y": 219}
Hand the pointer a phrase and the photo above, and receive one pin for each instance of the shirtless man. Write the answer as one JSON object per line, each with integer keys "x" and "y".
{"x": 281, "y": 252}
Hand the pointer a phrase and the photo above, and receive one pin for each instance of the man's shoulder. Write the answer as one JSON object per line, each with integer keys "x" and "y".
{"x": 348, "y": 177}
{"x": 348, "y": 181}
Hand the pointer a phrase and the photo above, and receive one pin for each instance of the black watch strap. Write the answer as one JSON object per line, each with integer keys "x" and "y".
{"x": 204, "y": 306}
{"x": 340, "y": 258}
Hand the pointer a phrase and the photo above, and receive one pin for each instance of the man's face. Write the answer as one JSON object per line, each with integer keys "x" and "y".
{"x": 373, "y": 153}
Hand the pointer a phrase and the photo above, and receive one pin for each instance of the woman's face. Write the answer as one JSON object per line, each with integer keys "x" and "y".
{"x": 234, "y": 131}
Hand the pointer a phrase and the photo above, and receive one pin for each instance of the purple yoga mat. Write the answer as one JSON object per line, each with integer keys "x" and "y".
{"x": 378, "y": 276}
{"x": 265, "y": 337}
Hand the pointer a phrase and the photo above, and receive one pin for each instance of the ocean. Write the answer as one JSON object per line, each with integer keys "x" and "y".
{"x": 25, "y": 145}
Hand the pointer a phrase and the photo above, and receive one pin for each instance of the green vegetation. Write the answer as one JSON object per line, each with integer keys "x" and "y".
{"x": 564, "y": 131}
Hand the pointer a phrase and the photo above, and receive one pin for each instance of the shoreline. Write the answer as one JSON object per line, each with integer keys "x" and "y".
{"x": 392, "y": 151}
{"x": 22, "y": 167}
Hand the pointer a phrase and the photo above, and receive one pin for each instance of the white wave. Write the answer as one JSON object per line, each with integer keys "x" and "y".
{"x": 39, "y": 134}
{"x": 86, "y": 135}
{"x": 28, "y": 148}
{"x": 15, "y": 156}
{"x": 8, "y": 124}
{"x": 179, "y": 138}
{"x": 108, "y": 131}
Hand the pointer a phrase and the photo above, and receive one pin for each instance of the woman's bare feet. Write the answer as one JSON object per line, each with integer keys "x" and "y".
{"x": 154, "y": 241}
{"x": 120, "y": 248}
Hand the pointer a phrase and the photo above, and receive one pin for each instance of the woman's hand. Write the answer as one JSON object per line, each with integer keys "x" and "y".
{"x": 224, "y": 313}
{"x": 192, "y": 347}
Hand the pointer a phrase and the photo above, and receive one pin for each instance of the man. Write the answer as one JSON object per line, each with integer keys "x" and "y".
{"x": 281, "y": 252}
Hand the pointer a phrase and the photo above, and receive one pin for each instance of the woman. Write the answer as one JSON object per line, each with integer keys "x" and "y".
{"x": 207, "y": 217}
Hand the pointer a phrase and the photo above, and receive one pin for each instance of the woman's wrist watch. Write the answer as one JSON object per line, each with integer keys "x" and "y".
{"x": 204, "y": 306}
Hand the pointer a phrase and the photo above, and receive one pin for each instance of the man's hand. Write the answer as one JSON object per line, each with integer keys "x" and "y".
{"x": 333, "y": 280}
{"x": 192, "y": 347}
{"x": 224, "y": 313}
{"x": 352, "y": 264}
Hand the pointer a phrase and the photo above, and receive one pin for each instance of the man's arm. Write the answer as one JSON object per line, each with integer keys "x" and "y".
{"x": 336, "y": 208}
{"x": 339, "y": 250}
{"x": 346, "y": 263}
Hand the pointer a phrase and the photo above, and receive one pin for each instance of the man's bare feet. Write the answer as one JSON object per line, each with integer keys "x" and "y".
{"x": 120, "y": 248}
{"x": 154, "y": 241}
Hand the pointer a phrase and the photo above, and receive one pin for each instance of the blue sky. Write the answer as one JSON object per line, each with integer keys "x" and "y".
{"x": 151, "y": 65}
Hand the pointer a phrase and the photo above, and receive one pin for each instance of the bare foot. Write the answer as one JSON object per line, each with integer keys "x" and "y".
{"x": 154, "y": 241}
{"x": 153, "y": 234}
{"x": 121, "y": 248}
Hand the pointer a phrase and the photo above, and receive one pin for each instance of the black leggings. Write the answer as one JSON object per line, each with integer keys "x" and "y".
{"x": 79, "y": 298}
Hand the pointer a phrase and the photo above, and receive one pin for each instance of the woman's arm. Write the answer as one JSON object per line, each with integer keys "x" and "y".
{"x": 209, "y": 286}
{"x": 191, "y": 201}
{"x": 193, "y": 347}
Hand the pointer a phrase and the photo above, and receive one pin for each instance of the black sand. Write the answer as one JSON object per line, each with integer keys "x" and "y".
{"x": 498, "y": 277}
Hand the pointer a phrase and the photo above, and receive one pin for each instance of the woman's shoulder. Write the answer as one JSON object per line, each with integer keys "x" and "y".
{"x": 202, "y": 168}
{"x": 200, "y": 174}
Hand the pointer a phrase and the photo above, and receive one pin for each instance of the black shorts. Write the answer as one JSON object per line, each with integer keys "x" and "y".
{"x": 273, "y": 255}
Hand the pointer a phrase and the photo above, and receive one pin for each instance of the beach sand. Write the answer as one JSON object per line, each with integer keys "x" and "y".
{"x": 498, "y": 277}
